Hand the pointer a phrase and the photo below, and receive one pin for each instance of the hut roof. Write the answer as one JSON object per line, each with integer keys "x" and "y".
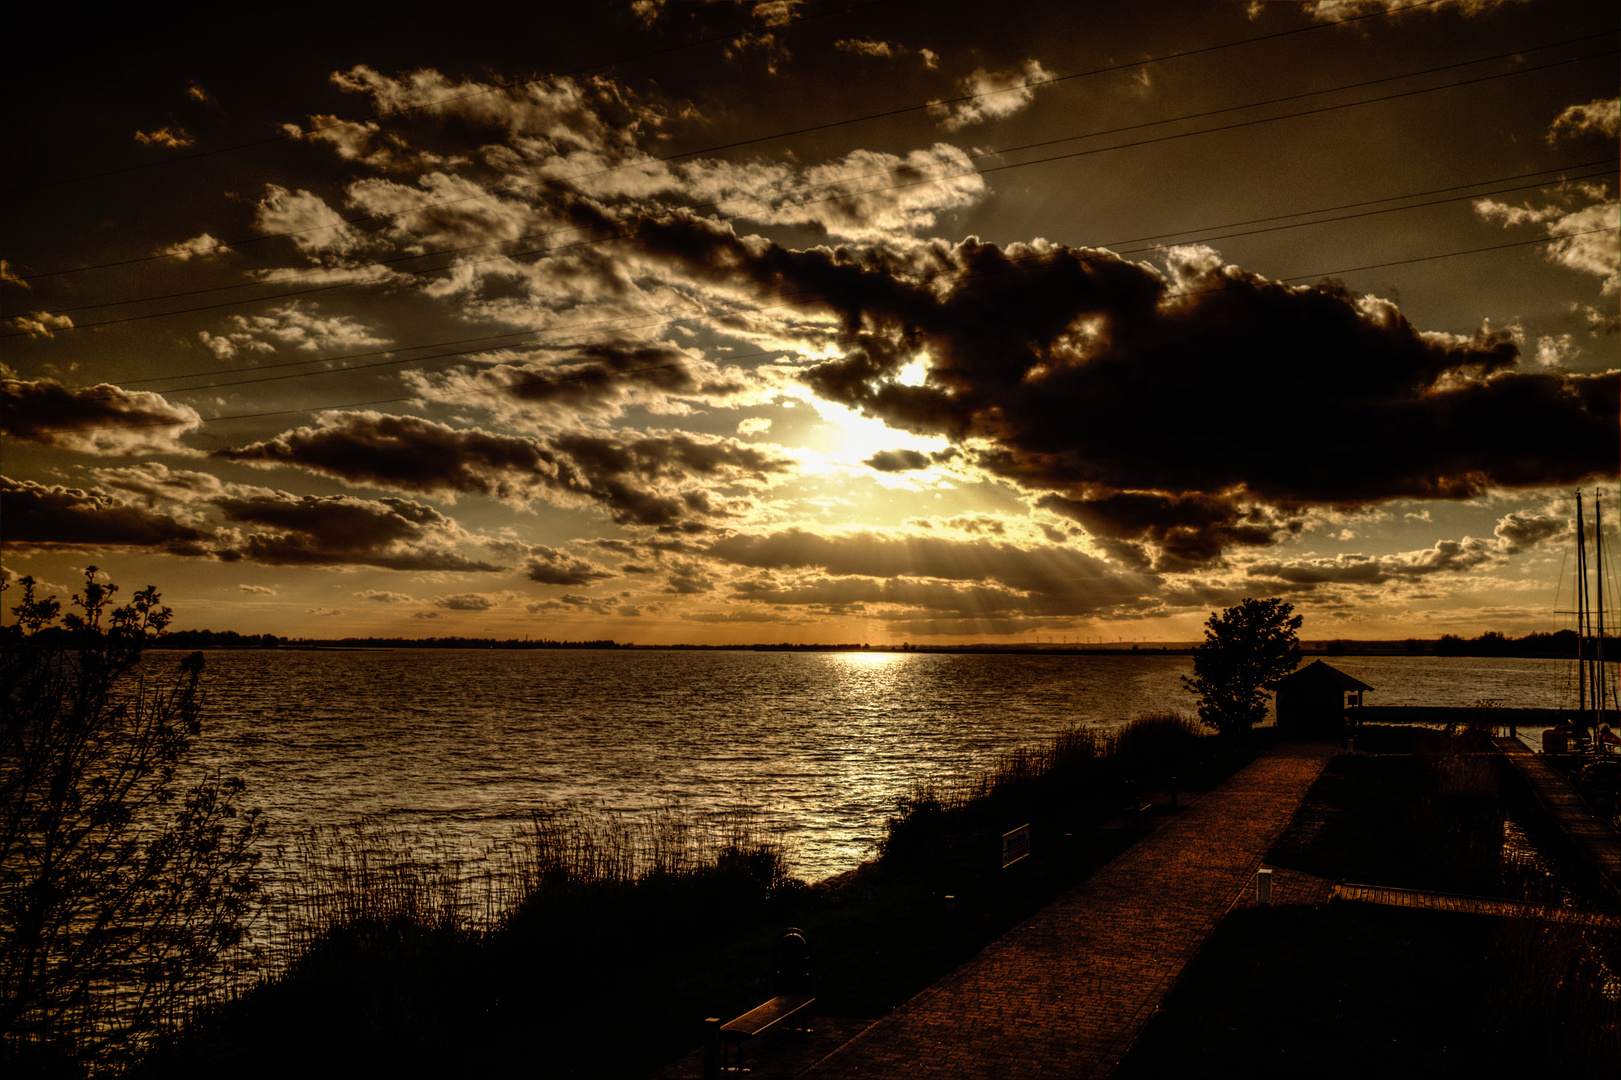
{"x": 1319, "y": 674}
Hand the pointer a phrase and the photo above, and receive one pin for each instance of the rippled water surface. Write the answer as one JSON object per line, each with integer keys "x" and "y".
{"x": 467, "y": 743}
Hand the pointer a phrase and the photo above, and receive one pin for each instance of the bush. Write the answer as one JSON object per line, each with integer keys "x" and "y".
{"x": 123, "y": 891}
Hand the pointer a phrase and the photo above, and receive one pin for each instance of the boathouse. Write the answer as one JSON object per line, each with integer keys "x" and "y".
{"x": 1311, "y": 702}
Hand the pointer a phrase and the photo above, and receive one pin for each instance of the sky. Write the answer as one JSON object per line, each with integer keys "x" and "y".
{"x": 862, "y": 322}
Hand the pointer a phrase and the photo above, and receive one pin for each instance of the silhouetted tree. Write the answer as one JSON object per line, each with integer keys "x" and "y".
{"x": 1246, "y": 648}
{"x": 122, "y": 886}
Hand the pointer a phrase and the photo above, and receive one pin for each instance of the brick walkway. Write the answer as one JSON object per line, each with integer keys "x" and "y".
{"x": 1064, "y": 993}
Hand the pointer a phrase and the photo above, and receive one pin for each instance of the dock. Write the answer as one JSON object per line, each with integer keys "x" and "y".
{"x": 1593, "y": 842}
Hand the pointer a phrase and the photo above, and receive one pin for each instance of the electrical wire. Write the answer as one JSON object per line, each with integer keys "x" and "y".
{"x": 643, "y": 162}
{"x": 534, "y": 337}
{"x": 998, "y": 168}
{"x": 384, "y": 114}
{"x": 507, "y": 387}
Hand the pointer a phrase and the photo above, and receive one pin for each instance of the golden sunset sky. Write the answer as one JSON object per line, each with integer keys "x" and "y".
{"x": 870, "y": 322}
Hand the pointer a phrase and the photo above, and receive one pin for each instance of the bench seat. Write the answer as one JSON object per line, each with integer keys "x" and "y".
{"x": 759, "y": 1019}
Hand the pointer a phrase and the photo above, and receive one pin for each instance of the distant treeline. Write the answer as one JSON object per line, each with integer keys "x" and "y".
{"x": 1561, "y": 644}
{"x": 230, "y": 639}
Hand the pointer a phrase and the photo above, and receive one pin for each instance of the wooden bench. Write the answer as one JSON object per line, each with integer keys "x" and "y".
{"x": 783, "y": 1007}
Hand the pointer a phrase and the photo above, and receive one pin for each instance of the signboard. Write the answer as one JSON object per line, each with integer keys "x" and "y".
{"x": 1015, "y": 846}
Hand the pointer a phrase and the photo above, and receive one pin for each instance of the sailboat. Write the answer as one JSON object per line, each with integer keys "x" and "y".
{"x": 1595, "y": 691}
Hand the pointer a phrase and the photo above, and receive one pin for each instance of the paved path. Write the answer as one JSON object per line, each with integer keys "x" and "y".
{"x": 1064, "y": 993}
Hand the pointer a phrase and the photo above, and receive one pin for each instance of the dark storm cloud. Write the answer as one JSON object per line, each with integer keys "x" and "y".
{"x": 37, "y": 516}
{"x": 407, "y": 453}
{"x": 664, "y": 481}
{"x": 1188, "y": 530}
{"x": 1082, "y": 374}
{"x": 102, "y": 419}
{"x": 550, "y": 566}
{"x": 340, "y": 530}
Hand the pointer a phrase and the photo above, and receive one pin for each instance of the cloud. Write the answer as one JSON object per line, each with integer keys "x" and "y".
{"x": 291, "y": 327}
{"x": 169, "y": 137}
{"x": 1597, "y": 117}
{"x": 381, "y": 596}
{"x": 898, "y": 460}
{"x": 1595, "y": 253}
{"x": 1046, "y": 360}
{"x": 1340, "y": 10}
{"x": 101, "y": 419}
{"x": 554, "y": 124}
{"x": 340, "y": 530}
{"x": 407, "y": 453}
{"x": 465, "y": 602}
{"x": 571, "y": 602}
{"x": 770, "y": 50}
{"x": 1446, "y": 557}
{"x": 969, "y": 577}
{"x": 886, "y": 50}
{"x": 867, "y": 195}
{"x": 991, "y": 95}
{"x": 665, "y": 481}
{"x": 1521, "y": 532}
{"x": 599, "y": 380}
{"x": 307, "y": 220}
{"x": 258, "y": 590}
{"x": 202, "y": 246}
{"x": 155, "y": 482}
{"x": 551, "y": 566}
{"x": 1188, "y": 529}
{"x": 41, "y": 324}
{"x": 41, "y": 516}
{"x": 1515, "y": 533}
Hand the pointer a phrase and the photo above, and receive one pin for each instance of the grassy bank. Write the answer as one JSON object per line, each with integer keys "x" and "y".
{"x": 614, "y": 940}
{"x": 1357, "y": 990}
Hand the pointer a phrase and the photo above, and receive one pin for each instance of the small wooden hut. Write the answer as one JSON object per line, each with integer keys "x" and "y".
{"x": 1311, "y": 702}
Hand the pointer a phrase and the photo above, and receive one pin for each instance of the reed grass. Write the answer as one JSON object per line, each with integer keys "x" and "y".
{"x": 1076, "y": 779}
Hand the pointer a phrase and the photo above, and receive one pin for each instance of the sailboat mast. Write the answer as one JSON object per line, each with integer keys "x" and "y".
{"x": 1598, "y": 560}
{"x": 1581, "y": 610}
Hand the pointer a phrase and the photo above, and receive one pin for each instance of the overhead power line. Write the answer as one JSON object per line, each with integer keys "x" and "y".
{"x": 521, "y": 384}
{"x": 384, "y": 114}
{"x": 735, "y": 144}
{"x": 374, "y": 279}
{"x": 838, "y": 183}
{"x": 483, "y": 343}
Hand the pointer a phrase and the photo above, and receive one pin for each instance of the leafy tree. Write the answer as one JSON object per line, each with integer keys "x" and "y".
{"x": 1246, "y": 649}
{"x": 126, "y": 880}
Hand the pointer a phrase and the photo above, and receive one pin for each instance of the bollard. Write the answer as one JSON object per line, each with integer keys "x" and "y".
{"x": 711, "y": 1048}
{"x": 951, "y": 922}
{"x": 1263, "y": 887}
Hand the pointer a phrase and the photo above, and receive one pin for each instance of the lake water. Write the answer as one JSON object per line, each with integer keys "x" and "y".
{"x": 464, "y": 745}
